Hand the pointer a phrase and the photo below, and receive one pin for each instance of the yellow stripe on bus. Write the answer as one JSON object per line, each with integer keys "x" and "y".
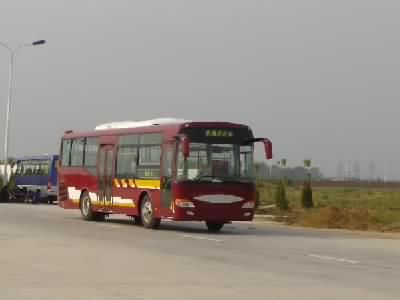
{"x": 148, "y": 183}
{"x": 116, "y": 183}
{"x": 124, "y": 183}
{"x": 131, "y": 183}
{"x": 131, "y": 205}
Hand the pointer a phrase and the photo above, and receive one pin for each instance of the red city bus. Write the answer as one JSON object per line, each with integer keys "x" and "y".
{"x": 163, "y": 168}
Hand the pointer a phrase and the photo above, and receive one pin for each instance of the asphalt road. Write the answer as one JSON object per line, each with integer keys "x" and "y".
{"x": 49, "y": 253}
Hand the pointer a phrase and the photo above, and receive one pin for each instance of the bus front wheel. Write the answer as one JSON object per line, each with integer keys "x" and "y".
{"x": 147, "y": 214}
{"x": 214, "y": 226}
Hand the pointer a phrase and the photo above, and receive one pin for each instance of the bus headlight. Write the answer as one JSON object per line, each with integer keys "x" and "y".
{"x": 250, "y": 204}
{"x": 184, "y": 203}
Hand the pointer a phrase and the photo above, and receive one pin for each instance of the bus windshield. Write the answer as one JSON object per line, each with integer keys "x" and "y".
{"x": 216, "y": 163}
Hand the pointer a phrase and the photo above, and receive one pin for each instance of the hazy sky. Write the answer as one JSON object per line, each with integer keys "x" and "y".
{"x": 320, "y": 78}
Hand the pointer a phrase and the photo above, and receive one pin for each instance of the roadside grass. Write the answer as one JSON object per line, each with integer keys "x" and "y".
{"x": 340, "y": 208}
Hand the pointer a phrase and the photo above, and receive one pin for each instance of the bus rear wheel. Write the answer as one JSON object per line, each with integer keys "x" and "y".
{"x": 147, "y": 214}
{"x": 86, "y": 209}
{"x": 51, "y": 199}
{"x": 214, "y": 226}
{"x": 138, "y": 220}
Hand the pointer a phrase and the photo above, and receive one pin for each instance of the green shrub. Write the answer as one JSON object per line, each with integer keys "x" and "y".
{"x": 280, "y": 197}
{"x": 257, "y": 198}
{"x": 306, "y": 196}
{"x": 11, "y": 183}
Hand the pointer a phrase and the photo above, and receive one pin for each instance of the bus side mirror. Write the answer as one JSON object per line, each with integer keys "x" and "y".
{"x": 185, "y": 147}
{"x": 268, "y": 148}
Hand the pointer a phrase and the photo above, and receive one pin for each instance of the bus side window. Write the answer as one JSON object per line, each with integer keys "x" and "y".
{"x": 77, "y": 152}
{"x": 28, "y": 168}
{"x": 19, "y": 169}
{"x": 180, "y": 167}
{"x": 127, "y": 156}
{"x": 126, "y": 162}
{"x": 36, "y": 168}
{"x": 66, "y": 153}
{"x": 149, "y": 161}
{"x": 149, "y": 155}
{"x": 167, "y": 162}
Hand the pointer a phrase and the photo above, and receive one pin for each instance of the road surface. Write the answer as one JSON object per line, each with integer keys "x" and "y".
{"x": 49, "y": 253}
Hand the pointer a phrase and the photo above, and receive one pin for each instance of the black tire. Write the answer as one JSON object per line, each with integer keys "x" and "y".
{"x": 147, "y": 214}
{"x": 99, "y": 217}
{"x": 138, "y": 220}
{"x": 86, "y": 209}
{"x": 214, "y": 226}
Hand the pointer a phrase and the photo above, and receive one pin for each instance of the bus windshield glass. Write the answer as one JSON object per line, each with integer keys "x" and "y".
{"x": 216, "y": 163}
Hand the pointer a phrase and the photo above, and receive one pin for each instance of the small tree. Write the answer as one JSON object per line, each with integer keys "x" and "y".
{"x": 257, "y": 198}
{"x": 307, "y": 166}
{"x": 280, "y": 197}
{"x": 11, "y": 182}
{"x": 283, "y": 164}
{"x": 306, "y": 195}
{"x": 256, "y": 169}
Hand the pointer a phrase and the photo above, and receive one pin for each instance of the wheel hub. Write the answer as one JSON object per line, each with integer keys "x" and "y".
{"x": 86, "y": 206}
{"x": 147, "y": 211}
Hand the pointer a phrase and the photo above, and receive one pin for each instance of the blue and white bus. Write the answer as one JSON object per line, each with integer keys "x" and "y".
{"x": 38, "y": 173}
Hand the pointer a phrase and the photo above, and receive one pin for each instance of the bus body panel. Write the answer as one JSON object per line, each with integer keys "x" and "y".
{"x": 220, "y": 202}
{"x": 215, "y": 202}
{"x": 124, "y": 200}
{"x": 53, "y": 175}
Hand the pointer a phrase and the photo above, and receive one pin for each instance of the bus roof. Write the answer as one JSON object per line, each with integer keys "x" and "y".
{"x": 38, "y": 157}
{"x": 147, "y": 123}
{"x": 120, "y": 128}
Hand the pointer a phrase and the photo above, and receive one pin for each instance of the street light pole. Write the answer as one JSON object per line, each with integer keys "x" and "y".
{"x": 8, "y": 111}
{"x": 13, "y": 52}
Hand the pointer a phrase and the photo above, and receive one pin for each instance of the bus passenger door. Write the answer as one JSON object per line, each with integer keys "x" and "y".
{"x": 167, "y": 176}
{"x": 106, "y": 176}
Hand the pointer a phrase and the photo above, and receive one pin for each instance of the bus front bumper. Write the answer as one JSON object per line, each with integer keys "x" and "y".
{"x": 215, "y": 213}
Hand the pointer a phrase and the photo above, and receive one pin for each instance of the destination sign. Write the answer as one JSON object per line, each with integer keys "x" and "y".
{"x": 219, "y": 133}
